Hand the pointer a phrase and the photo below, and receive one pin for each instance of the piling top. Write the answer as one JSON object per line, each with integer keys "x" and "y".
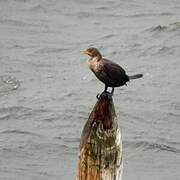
{"x": 101, "y": 146}
{"x": 103, "y": 116}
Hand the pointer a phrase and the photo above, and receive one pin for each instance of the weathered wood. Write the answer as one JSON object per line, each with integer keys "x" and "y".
{"x": 101, "y": 146}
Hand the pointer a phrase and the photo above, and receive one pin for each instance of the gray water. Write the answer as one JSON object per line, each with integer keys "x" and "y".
{"x": 47, "y": 90}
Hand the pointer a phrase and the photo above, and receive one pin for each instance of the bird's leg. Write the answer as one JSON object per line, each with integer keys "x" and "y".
{"x": 106, "y": 87}
{"x": 98, "y": 96}
{"x": 103, "y": 94}
{"x": 112, "y": 91}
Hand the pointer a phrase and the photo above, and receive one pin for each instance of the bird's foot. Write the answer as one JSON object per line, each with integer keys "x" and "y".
{"x": 98, "y": 96}
{"x": 104, "y": 95}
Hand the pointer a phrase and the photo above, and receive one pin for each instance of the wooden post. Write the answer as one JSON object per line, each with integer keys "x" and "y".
{"x": 101, "y": 146}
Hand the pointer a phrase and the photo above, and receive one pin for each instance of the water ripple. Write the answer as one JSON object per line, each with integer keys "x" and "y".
{"x": 13, "y": 23}
{"x": 50, "y": 50}
{"x": 19, "y": 132}
{"x": 14, "y": 109}
{"x": 158, "y": 28}
{"x": 149, "y": 15}
{"x": 8, "y": 83}
{"x": 151, "y": 146}
{"x": 168, "y": 28}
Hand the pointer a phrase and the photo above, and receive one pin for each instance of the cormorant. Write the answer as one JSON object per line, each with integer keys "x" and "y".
{"x": 110, "y": 73}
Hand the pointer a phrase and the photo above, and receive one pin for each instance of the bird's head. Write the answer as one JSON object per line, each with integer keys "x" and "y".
{"x": 92, "y": 52}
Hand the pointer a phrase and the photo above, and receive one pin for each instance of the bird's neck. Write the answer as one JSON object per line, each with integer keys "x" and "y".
{"x": 96, "y": 58}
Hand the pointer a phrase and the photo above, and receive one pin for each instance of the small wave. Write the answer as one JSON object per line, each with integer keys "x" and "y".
{"x": 109, "y": 36}
{"x": 69, "y": 149}
{"x": 6, "y": 117}
{"x": 67, "y": 139}
{"x": 151, "y": 146}
{"x": 102, "y": 8}
{"x": 168, "y": 50}
{"x": 16, "y": 46}
{"x": 171, "y": 27}
{"x": 22, "y": 1}
{"x": 159, "y": 50}
{"x": 19, "y": 132}
{"x": 162, "y": 147}
{"x": 50, "y": 50}
{"x": 149, "y": 15}
{"x": 8, "y": 83}
{"x": 158, "y": 28}
{"x": 50, "y": 119}
{"x": 14, "y": 109}
{"x": 13, "y": 22}
{"x": 37, "y": 8}
{"x": 175, "y": 26}
{"x": 174, "y": 114}
{"x": 175, "y": 105}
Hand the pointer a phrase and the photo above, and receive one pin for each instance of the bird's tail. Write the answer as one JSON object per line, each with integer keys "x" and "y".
{"x": 136, "y": 76}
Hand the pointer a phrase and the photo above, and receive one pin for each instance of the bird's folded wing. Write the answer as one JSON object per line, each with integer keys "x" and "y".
{"x": 114, "y": 71}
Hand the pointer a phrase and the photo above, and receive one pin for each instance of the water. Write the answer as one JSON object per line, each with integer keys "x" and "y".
{"x": 47, "y": 90}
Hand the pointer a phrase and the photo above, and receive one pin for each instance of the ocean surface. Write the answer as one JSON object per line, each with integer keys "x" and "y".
{"x": 47, "y": 90}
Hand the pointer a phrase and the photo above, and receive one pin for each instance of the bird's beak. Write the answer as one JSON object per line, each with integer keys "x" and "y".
{"x": 85, "y": 52}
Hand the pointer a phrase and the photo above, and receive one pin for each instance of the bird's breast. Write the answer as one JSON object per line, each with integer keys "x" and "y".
{"x": 94, "y": 65}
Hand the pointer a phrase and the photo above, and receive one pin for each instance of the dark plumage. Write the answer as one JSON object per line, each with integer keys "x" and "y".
{"x": 110, "y": 73}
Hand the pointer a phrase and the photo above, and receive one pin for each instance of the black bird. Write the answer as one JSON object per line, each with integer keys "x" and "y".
{"x": 110, "y": 73}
